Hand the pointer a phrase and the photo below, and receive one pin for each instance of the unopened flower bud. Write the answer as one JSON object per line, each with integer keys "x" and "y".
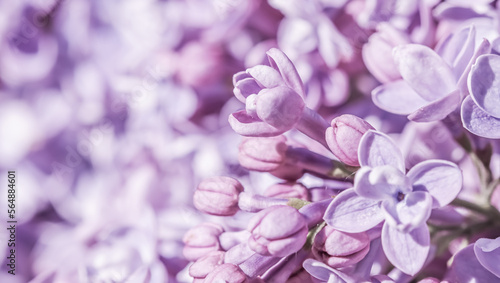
{"x": 203, "y": 266}
{"x": 277, "y": 231}
{"x": 218, "y": 196}
{"x": 287, "y": 190}
{"x": 228, "y": 273}
{"x": 340, "y": 249}
{"x": 262, "y": 154}
{"x": 201, "y": 240}
{"x": 344, "y": 135}
{"x": 377, "y": 52}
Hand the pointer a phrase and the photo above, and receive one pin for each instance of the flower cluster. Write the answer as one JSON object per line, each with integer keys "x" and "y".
{"x": 364, "y": 198}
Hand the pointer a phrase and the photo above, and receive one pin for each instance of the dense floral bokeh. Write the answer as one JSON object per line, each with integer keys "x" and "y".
{"x": 251, "y": 140}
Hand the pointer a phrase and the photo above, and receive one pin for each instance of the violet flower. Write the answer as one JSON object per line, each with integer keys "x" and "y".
{"x": 226, "y": 272}
{"x": 201, "y": 240}
{"x": 481, "y": 110}
{"x": 432, "y": 88}
{"x": 274, "y": 155}
{"x": 218, "y": 196}
{"x": 477, "y": 262}
{"x": 383, "y": 191}
{"x": 344, "y": 135}
{"x": 340, "y": 249}
{"x": 273, "y": 96}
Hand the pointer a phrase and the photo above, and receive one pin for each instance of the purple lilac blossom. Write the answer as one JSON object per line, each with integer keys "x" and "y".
{"x": 384, "y": 191}
{"x": 481, "y": 110}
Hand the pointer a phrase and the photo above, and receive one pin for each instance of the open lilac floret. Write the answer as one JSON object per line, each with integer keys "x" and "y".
{"x": 433, "y": 83}
{"x": 481, "y": 110}
{"x": 383, "y": 192}
{"x": 273, "y": 96}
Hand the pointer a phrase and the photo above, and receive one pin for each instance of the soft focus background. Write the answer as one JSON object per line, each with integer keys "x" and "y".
{"x": 111, "y": 112}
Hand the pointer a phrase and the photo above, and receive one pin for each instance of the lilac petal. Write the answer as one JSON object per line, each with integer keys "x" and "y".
{"x": 398, "y": 98}
{"x": 437, "y": 110}
{"x": 245, "y": 88}
{"x": 410, "y": 213}
{"x": 240, "y": 76}
{"x": 246, "y": 125}
{"x": 488, "y": 254}
{"x": 479, "y": 122}
{"x": 280, "y": 107}
{"x": 458, "y": 49}
{"x": 483, "y": 48}
{"x": 406, "y": 251}
{"x": 377, "y": 149}
{"x": 484, "y": 84}
{"x": 442, "y": 179}
{"x": 466, "y": 268}
{"x": 325, "y": 273}
{"x": 266, "y": 76}
{"x": 351, "y": 213}
{"x": 424, "y": 70}
{"x": 282, "y": 63}
{"x": 382, "y": 182}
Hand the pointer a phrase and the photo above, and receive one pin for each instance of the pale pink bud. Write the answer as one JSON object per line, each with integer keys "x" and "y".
{"x": 288, "y": 190}
{"x": 262, "y": 154}
{"x": 344, "y": 135}
{"x": 377, "y": 52}
{"x": 218, "y": 196}
{"x": 203, "y": 266}
{"x": 228, "y": 273}
{"x": 201, "y": 240}
{"x": 277, "y": 231}
{"x": 340, "y": 249}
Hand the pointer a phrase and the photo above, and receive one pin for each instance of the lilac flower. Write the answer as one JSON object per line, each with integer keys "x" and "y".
{"x": 432, "y": 88}
{"x": 344, "y": 135}
{"x": 277, "y": 231}
{"x": 377, "y": 52}
{"x": 287, "y": 190}
{"x": 201, "y": 240}
{"x": 481, "y": 110}
{"x": 383, "y": 191}
{"x": 274, "y": 100}
{"x": 477, "y": 262}
{"x": 226, "y": 273}
{"x": 218, "y": 196}
{"x": 206, "y": 264}
{"x": 273, "y": 97}
{"x": 340, "y": 249}
{"x": 359, "y": 273}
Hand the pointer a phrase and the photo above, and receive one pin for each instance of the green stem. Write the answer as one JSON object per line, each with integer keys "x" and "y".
{"x": 490, "y": 212}
{"x": 312, "y": 234}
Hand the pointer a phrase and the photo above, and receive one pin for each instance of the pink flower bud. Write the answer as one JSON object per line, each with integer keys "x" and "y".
{"x": 228, "y": 273}
{"x": 340, "y": 249}
{"x": 344, "y": 135}
{"x": 288, "y": 171}
{"x": 262, "y": 154}
{"x": 203, "y": 266}
{"x": 201, "y": 240}
{"x": 277, "y": 231}
{"x": 288, "y": 190}
{"x": 218, "y": 196}
{"x": 377, "y": 52}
